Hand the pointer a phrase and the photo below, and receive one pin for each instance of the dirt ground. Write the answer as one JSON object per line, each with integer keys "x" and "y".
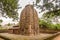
{"x": 57, "y": 37}
{"x": 1, "y": 39}
{"x": 21, "y": 37}
{"x": 41, "y": 36}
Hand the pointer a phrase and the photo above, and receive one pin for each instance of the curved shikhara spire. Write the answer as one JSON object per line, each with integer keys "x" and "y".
{"x": 29, "y": 21}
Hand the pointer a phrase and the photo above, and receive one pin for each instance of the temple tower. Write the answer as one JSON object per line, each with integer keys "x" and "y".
{"x": 29, "y": 21}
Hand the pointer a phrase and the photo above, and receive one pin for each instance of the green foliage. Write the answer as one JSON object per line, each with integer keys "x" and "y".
{"x": 8, "y": 24}
{"x": 37, "y": 1}
{"x": 0, "y": 25}
{"x": 9, "y": 8}
{"x": 57, "y": 26}
{"x": 46, "y": 4}
{"x": 1, "y": 21}
{"x": 53, "y": 10}
{"x": 43, "y": 24}
{"x": 52, "y": 14}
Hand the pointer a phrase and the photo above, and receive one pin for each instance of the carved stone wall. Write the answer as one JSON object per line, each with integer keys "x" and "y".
{"x": 29, "y": 21}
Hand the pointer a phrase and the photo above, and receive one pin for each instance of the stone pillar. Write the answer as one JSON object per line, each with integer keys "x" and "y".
{"x": 29, "y": 21}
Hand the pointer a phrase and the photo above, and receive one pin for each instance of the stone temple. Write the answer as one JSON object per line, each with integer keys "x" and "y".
{"x": 29, "y": 21}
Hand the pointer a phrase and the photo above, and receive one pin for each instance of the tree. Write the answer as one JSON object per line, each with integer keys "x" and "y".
{"x": 1, "y": 21}
{"x": 9, "y": 24}
{"x": 9, "y": 8}
{"x": 53, "y": 8}
{"x": 47, "y": 25}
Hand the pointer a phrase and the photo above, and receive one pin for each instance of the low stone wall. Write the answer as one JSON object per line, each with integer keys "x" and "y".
{"x": 48, "y": 31}
{"x": 17, "y": 31}
{"x": 3, "y": 31}
{"x": 13, "y": 31}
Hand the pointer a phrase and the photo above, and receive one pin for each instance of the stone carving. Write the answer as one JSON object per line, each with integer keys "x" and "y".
{"x": 29, "y": 21}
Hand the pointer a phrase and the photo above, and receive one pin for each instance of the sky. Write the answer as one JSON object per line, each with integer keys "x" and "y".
{"x": 21, "y": 4}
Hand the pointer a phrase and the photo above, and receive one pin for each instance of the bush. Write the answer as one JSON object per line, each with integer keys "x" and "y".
{"x": 43, "y": 24}
{"x": 57, "y": 26}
